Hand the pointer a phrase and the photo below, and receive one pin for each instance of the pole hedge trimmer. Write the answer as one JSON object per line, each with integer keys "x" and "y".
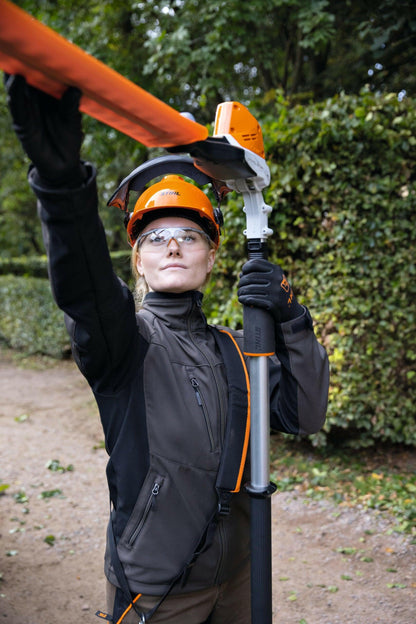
{"x": 231, "y": 160}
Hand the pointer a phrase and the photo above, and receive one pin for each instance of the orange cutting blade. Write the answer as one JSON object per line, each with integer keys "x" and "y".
{"x": 51, "y": 63}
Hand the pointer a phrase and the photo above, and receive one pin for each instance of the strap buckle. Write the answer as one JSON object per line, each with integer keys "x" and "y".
{"x": 224, "y": 499}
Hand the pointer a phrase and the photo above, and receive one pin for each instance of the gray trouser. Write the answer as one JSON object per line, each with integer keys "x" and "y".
{"x": 228, "y": 603}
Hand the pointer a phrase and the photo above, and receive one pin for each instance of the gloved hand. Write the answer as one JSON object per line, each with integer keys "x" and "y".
{"x": 49, "y": 130}
{"x": 264, "y": 285}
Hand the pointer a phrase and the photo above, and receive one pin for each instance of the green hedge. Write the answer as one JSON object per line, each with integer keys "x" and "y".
{"x": 30, "y": 266}
{"x": 347, "y": 178}
{"x": 37, "y": 266}
{"x": 343, "y": 194}
{"x": 29, "y": 318}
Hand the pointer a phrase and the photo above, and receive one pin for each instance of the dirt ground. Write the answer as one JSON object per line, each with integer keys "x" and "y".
{"x": 331, "y": 565}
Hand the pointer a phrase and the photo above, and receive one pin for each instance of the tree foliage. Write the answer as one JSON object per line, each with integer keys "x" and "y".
{"x": 196, "y": 54}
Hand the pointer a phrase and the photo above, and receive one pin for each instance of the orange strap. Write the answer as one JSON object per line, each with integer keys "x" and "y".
{"x": 247, "y": 427}
{"x": 51, "y": 63}
{"x": 128, "y": 609}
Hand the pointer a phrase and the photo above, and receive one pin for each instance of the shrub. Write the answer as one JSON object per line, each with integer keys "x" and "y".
{"x": 28, "y": 266}
{"x": 343, "y": 195}
{"x": 349, "y": 185}
{"x": 37, "y": 266}
{"x": 29, "y": 318}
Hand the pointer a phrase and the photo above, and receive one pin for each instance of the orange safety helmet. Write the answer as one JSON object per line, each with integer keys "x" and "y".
{"x": 174, "y": 193}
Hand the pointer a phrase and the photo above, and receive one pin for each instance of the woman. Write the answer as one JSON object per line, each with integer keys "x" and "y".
{"x": 159, "y": 377}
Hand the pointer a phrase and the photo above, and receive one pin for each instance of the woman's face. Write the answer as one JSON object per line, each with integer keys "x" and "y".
{"x": 175, "y": 267}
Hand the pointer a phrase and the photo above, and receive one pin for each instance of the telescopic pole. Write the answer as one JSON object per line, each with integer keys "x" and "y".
{"x": 259, "y": 344}
{"x": 258, "y": 341}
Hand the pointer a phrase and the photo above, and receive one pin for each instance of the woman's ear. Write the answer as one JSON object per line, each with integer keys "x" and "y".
{"x": 211, "y": 259}
{"x": 139, "y": 265}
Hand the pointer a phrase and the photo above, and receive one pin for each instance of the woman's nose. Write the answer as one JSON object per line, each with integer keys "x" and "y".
{"x": 173, "y": 246}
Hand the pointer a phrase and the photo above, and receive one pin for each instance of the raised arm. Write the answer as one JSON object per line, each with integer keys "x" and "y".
{"x": 99, "y": 310}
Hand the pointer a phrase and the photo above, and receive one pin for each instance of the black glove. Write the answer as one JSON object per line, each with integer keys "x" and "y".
{"x": 264, "y": 285}
{"x": 49, "y": 130}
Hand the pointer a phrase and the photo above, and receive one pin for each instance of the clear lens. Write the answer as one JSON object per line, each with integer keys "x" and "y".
{"x": 162, "y": 237}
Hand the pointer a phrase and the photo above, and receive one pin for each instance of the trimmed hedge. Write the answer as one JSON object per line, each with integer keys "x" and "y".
{"x": 343, "y": 194}
{"x": 37, "y": 266}
{"x": 30, "y": 266}
{"x": 347, "y": 178}
{"x": 29, "y": 318}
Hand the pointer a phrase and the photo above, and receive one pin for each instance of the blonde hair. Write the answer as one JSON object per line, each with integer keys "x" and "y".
{"x": 141, "y": 287}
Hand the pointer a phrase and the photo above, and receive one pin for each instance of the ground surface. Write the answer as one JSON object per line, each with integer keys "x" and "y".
{"x": 330, "y": 565}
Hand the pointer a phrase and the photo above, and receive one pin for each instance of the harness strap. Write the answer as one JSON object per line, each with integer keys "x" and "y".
{"x": 237, "y": 433}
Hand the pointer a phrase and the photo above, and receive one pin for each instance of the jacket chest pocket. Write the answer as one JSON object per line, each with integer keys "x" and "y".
{"x": 144, "y": 508}
{"x": 202, "y": 410}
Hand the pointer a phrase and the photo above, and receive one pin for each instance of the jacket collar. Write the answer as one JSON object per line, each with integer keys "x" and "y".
{"x": 179, "y": 311}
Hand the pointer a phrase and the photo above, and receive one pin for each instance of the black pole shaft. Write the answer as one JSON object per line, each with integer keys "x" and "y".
{"x": 261, "y": 561}
{"x": 258, "y": 324}
{"x": 259, "y": 340}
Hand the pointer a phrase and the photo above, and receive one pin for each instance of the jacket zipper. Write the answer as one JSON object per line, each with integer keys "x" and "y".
{"x": 149, "y": 506}
{"x": 201, "y": 403}
{"x": 198, "y": 304}
{"x": 222, "y": 423}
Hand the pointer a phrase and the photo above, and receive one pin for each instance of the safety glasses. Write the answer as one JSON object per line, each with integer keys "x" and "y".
{"x": 161, "y": 237}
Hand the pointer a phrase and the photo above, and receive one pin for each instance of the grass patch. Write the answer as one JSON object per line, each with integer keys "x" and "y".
{"x": 382, "y": 479}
